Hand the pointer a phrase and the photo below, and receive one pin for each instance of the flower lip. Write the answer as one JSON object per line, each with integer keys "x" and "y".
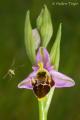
{"x": 41, "y": 90}
{"x": 41, "y": 74}
{"x": 42, "y": 83}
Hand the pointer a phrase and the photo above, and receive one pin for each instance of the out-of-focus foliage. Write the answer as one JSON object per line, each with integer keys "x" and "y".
{"x": 16, "y": 104}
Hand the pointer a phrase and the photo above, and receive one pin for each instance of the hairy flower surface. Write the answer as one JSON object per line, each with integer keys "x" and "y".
{"x": 44, "y": 76}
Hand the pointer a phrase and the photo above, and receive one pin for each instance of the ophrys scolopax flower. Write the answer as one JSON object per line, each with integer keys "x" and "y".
{"x": 44, "y": 76}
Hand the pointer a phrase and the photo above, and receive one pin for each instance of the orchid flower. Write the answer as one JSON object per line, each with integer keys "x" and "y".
{"x": 44, "y": 76}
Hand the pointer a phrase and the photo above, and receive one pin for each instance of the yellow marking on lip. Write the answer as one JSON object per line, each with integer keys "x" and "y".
{"x": 40, "y": 64}
{"x": 41, "y": 68}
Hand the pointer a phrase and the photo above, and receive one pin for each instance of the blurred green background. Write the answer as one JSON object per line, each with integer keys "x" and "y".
{"x": 19, "y": 104}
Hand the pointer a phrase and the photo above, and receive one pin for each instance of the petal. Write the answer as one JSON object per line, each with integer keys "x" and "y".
{"x": 61, "y": 80}
{"x": 49, "y": 67}
{"x": 42, "y": 56}
{"x": 27, "y": 82}
{"x": 36, "y": 38}
{"x": 35, "y": 68}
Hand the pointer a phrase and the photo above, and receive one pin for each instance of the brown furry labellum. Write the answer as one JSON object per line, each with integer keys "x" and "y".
{"x": 42, "y": 84}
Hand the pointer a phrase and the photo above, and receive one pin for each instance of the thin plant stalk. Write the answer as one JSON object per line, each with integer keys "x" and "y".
{"x": 42, "y": 111}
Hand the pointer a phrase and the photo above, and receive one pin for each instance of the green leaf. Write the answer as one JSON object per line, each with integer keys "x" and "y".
{"x": 55, "y": 51}
{"x": 29, "y": 39}
{"x": 44, "y": 25}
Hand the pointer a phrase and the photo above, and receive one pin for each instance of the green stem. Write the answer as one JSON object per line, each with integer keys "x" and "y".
{"x": 49, "y": 98}
{"x": 42, "y": 111}
{"x": 44, "y": 105}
